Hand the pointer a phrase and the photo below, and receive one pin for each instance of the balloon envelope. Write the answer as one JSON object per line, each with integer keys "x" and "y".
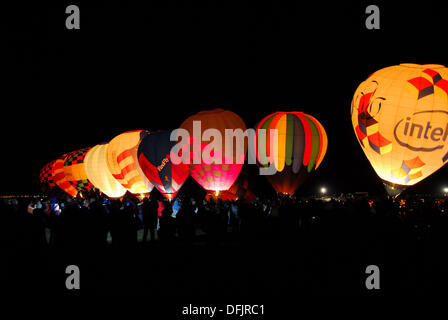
{"x": 122, "y": 161}
{"x": 46, "y": 175}
{"x": 98, "y": 173}
{"x": 74, "y": 170}
{"x": 154, "y": 156}
{"x": 60, "y": 178}
{"x": 400, "y": 117}
{"x": 300, "y": 148}
{"x": 208, "y": 173}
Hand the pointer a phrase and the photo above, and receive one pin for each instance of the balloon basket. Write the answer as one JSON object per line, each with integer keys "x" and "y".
{"x": 393, "y": 189}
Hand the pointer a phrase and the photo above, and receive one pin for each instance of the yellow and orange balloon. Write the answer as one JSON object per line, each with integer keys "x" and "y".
{"x": 400, "y": 118}
{"x": 111, "y": 168}
{"x": 98, "y": 173}
{"x": 122, "y": 161}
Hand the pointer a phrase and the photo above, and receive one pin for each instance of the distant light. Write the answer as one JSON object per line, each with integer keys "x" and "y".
{"x": 445, "y": 190}
{"x": 323, "y": 190}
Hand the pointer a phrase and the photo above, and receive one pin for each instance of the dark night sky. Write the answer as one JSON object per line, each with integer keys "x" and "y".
{"x": 135, "y": 66}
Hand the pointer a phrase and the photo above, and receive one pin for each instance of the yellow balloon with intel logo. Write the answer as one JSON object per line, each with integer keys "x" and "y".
{"x": 400, "y": 118}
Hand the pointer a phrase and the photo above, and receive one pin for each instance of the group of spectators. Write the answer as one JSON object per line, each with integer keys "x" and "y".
{"x": 322, "y": 238}
{"x": 95, "y": 221}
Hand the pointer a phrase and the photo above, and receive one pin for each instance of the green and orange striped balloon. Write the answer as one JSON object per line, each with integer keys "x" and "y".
{"x": 298, "y": 151}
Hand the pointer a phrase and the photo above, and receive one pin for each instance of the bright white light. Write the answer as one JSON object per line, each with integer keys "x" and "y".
{"x": 445, "y": 190}
{"x": 323, "y": 190}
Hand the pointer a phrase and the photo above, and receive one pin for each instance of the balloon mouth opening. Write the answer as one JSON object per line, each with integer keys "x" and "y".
{"x": 394, "y": 189}
{"x": 422, "y": 66}
{"x": 285, "y": 194}
{"x": 142, "y": 195}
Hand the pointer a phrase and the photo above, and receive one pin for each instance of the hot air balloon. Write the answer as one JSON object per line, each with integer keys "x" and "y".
{"x": 400, "y": 118}
{"x": 74, "y": 170}
{"x": 60, "y": 178}
{"x": 301, "y": 147}
{"x": 208, "y": 173}
{"x": 98, "y": 173}
{"x": 122, "y": 161}
{"x": 47, "y": 179}
{"x": 154, "y": 156}
{"x": 46, "y": 176}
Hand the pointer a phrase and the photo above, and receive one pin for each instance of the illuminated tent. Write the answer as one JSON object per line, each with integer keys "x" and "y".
{"x": 400, "y": 118}
{"x": 98, "y": 173}
{"x": 74, "y": 170}
{"x": 154, "y": 156}
{"x": 122, "y": 161}
{"x": 60, "y": 179}
{"x": 208, "y": 173}
{"x": 302, "y": 144}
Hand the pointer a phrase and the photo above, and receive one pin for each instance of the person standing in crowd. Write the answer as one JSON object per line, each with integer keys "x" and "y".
{"x": 31, "y": 207}
{"x": 150, "y": 217}
{"x": 167, "y": 230}
{"x": 130, "y": 221}
{"x": 185, "y": 218}
{"x": 234, "y": 217}
{"x": 98, "y": 222}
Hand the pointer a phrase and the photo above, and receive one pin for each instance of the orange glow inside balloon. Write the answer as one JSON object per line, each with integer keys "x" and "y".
{"x": 400, "y": 118}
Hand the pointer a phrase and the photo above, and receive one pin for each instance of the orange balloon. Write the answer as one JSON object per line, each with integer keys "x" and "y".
{"x": 122, "y": 162}
{"x": 214, "y": 176}
{"x": 400, "y": 116}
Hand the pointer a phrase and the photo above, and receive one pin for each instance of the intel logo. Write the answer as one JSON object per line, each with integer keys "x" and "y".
{"x": 423, "y": 131}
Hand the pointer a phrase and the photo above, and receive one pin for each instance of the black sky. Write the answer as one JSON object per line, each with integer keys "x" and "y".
{"x": 136, "y": 65}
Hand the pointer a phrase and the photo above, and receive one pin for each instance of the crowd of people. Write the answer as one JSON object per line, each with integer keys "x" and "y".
{"x": 96, "y": 221}
{"x": 279, "y": 242}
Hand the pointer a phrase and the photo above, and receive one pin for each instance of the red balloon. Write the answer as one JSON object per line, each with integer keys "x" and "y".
{"x": 213, "y": 176}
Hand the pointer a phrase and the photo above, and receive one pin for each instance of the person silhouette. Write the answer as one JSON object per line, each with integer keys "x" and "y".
{"x": 149, "y": 208}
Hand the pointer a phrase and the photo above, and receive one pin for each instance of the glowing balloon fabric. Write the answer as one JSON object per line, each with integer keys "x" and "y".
{"x": 74, "y": 170}
{"x": 122, "y": 161}
{"x": 154, "y": 156}
{"x": 98, "y": 173}
{"x": 213, "y": 176}
{"x": 301, "y": 147}
{"x": 46, "y": 175}
{"x": 47, "y": 179}
{"x": 60, "y": 179}
{"x": 400, "y": 117}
